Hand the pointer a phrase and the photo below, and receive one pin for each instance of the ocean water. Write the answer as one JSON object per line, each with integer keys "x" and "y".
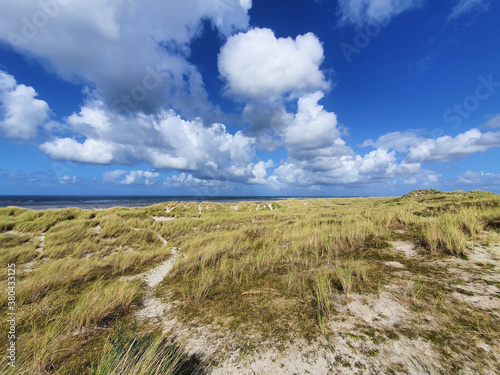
{"x": 41, "y": 202}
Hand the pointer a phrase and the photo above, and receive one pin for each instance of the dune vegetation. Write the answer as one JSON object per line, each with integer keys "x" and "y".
{"x": 294, "y": 278}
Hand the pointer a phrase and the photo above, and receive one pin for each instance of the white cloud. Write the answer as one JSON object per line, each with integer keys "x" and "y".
{"x": 378, "y": 166}
{"x": 398, "y": 141}
{"x": 317, "y": 155}
{"x": 113, "y": 176}
{"x": 311, "y": 137}
{"x": 260, "y": 66}
{"x": 310, "y": 132}
{"x": 131, "y": 178}
{"x": 183, "y": 180}
{"x": 361, "y": 12}
{"x": 141, "y": 177}
{"x": 134, "y": 52}
{"x": 426, "y": 178}
{"x": 313, "y": 127}
{"x": 91, "y": 151}
{"x": 480, "y": 179}
{"x": 66, "y": 179}
{"x": 313, "y": 132}
{"x": 246, "y": 4}
{"x": 494, "y": 122}
{"x": 259, "y": 172}
{"x": 466, "y": 6}
{"x": 442, "y": 149}
{"x": 446, "y": 148}
{"x": 20, "y": 112}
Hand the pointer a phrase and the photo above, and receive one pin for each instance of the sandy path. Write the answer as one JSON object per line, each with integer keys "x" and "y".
{"x": 152, "y": 307}
{"x": 156, "y": 275}
{"x": 28, "y": 267}
{"x": 162, "y": 239}
{"x": 39, "y": 249}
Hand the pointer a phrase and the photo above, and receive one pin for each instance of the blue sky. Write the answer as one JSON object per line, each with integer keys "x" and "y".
{"x": 241, "y": 97}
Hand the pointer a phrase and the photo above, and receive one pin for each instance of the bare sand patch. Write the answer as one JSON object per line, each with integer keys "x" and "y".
{"x": 394, "y": 264}
{"x": 404, "y": 247}
{"x": 482, "y": 302}
{"x": 41, "y": 237}
{"x": 162, "y": 218}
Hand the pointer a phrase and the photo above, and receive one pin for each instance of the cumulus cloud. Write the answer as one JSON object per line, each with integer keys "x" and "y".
{"x": 463, "y": 7}
{"x": 310, "y": 131}
{"x": 442, "y": 149}
{"x": 259, "y": 172}
{"x": 131, "y": 178}
{"x": 361, "y": 12}
{"x": 135, "y": 53}
{"x": 446, "y": 148}
{"x": 91, "y": 151}
{"x": 313, "y": 132}
{"x": 20, "y": 112}
{"x": 377, "y": 166}
{"x": 259, "y": 66}
{"x": 165, "y": 140}
{"x": 317, "y": 154}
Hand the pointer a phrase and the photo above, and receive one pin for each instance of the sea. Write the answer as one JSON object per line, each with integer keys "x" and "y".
{"x": 42, "y": 202}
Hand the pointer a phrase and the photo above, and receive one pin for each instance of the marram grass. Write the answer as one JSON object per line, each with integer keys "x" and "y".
{"x": 275, "y": 269}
